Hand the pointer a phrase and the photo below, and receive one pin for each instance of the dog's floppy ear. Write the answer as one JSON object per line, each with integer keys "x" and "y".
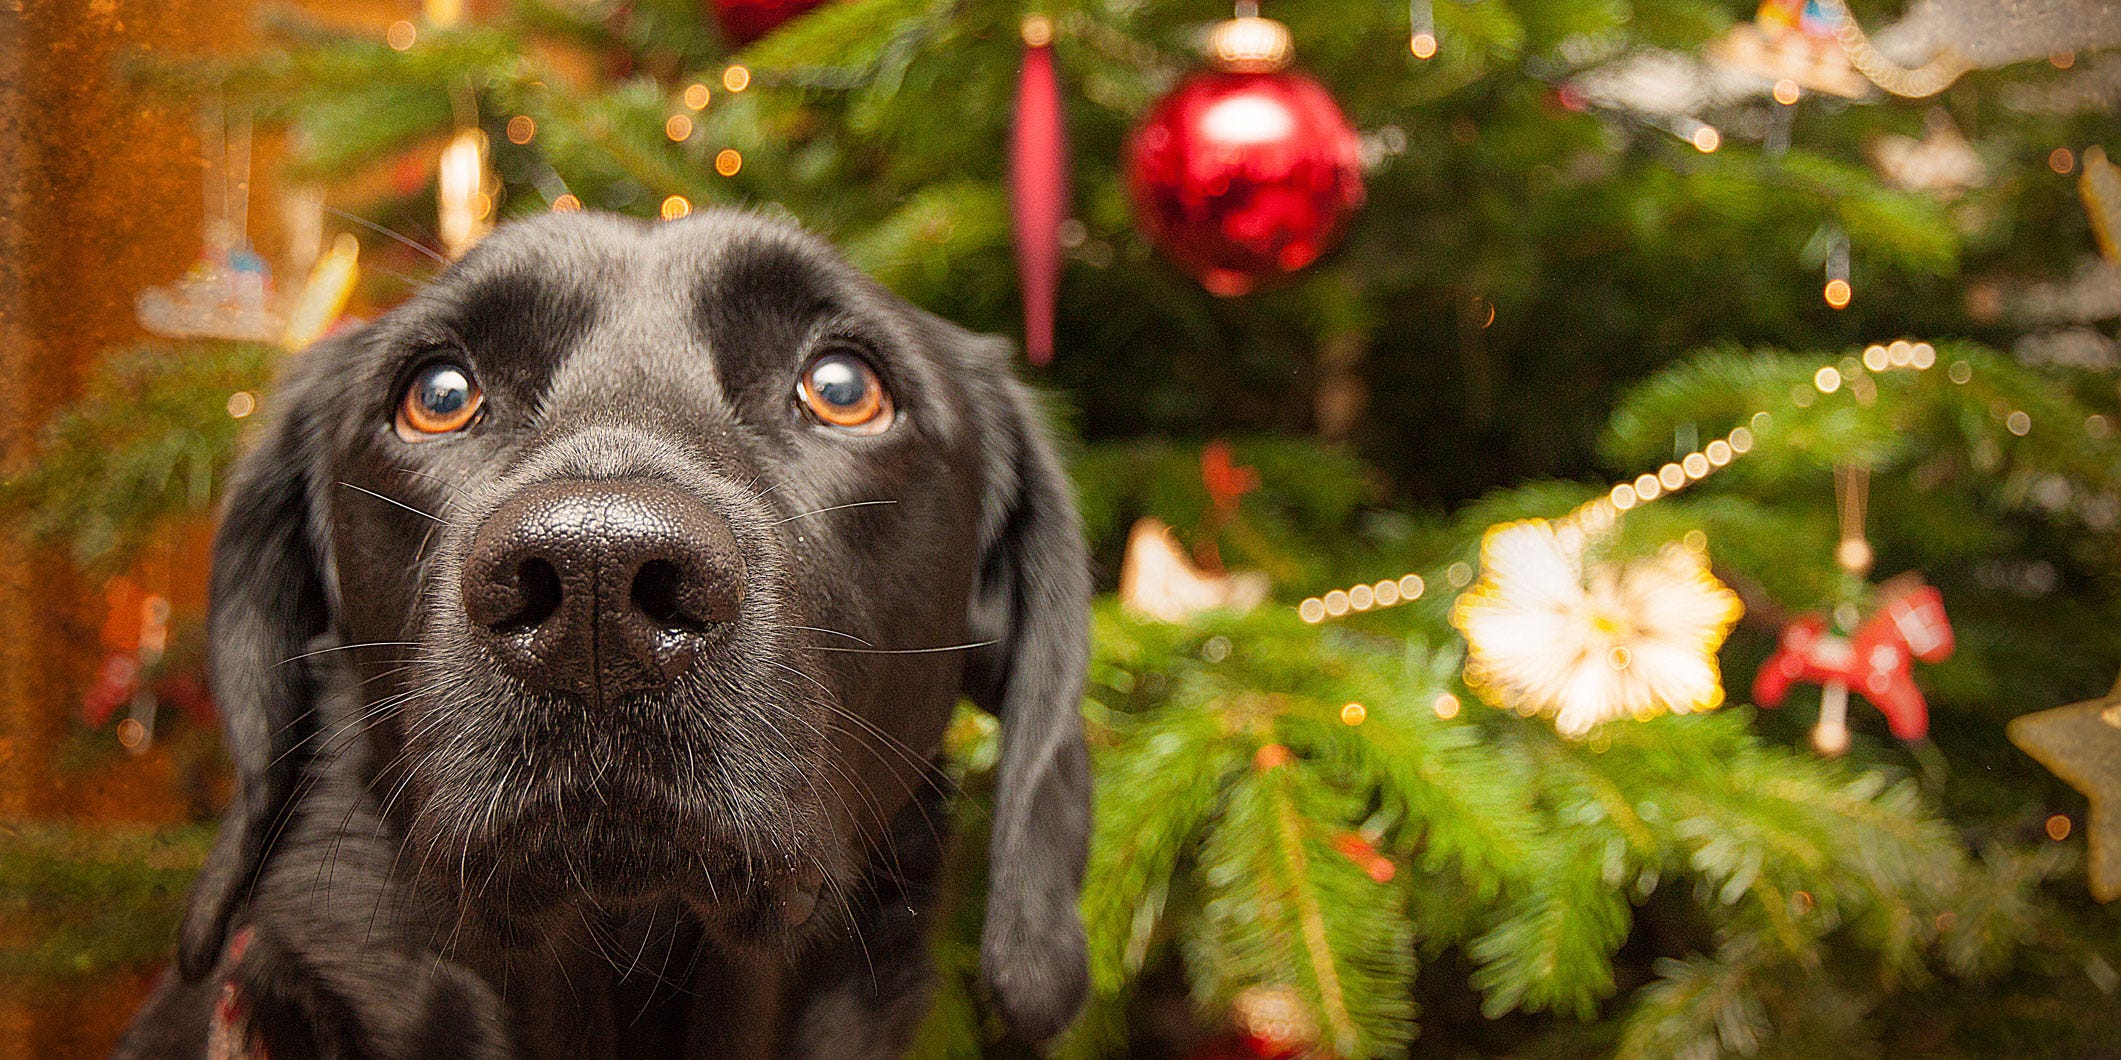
{"x": 1032, "y": 602}
{"x": 266, "y": 599}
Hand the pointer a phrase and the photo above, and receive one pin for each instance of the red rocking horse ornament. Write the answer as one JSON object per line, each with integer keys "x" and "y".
{"x": 1876, "y": 661}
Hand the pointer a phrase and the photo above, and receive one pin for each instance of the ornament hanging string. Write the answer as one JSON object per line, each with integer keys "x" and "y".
{"x": 1852, "y": 488}
{"x": 1852, "y": 498}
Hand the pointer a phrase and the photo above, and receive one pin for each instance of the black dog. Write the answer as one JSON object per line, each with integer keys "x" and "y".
{"x": 586, "y": 630}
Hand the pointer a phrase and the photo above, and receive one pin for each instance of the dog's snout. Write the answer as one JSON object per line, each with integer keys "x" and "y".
{"x": 602, "y": 587}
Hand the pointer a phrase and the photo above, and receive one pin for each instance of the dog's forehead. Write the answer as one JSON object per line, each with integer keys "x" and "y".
{"x": 730, "y": 266}
{"x": 720, "y": 291}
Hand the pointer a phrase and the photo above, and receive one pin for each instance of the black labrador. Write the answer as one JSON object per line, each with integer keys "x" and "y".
{"x": 586, "y": 630}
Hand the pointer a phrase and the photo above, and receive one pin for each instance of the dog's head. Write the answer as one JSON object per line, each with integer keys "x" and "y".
{"x": 671, "y": 547}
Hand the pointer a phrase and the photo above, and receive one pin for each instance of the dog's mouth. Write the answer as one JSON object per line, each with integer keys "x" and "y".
{"x": 623, "y": 821}
{"x": 628, "y": 867}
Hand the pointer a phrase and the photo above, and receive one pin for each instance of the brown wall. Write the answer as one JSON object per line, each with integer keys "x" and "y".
{"x": 103, "y": 199}
{"x": 100, "y": 195}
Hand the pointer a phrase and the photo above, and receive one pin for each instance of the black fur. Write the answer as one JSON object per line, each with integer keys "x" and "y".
{"x": 437, "y": 856}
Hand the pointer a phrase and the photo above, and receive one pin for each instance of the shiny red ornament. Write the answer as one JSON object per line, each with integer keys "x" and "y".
{"x": 1243, "y": 175}
{"x": 748, "y": 20}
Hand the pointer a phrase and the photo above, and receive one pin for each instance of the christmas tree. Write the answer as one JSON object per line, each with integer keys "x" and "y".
{"x": 1610, "y": 318}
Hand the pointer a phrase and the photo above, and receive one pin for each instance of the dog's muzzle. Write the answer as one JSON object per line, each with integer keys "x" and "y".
{"x": 602, "y": 587}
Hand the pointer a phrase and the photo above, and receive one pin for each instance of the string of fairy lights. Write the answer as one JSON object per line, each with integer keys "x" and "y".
{"x": 1603, "y": 512}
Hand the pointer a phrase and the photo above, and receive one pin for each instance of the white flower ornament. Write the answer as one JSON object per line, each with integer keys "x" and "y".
{"x": 1547, "y": 635}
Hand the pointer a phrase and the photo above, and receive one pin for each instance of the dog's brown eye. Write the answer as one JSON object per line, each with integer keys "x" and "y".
{"x": 440, "y": 399}
{"x": 841, "y": 389}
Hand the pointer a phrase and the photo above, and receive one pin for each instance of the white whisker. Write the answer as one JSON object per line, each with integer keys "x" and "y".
{"x": 391, "y": 500}
{"x": 905, "y": 651}
{"x": 834, "y": 508}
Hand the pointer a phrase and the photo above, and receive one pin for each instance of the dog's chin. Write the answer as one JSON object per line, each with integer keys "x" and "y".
{"x": 753, "y": 896}
{"x": 635, "y": 853}
{"x": 529, "y": 811}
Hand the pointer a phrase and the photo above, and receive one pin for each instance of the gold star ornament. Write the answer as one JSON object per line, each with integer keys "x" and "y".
{"x": 2081, "y": 743}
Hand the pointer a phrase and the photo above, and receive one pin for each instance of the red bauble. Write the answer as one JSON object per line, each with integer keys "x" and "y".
{"x": 1243, "y": 177}
{"x": 748, "y": 20}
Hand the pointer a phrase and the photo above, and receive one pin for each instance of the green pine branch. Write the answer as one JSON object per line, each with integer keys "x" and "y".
{"x": 148, "y": 441}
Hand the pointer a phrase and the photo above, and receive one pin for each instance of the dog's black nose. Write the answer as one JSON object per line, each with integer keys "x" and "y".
{"x": 602, "y": 587}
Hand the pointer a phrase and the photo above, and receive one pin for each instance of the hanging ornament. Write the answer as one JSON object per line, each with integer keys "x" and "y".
{"x": 2081, "y": 744}
{"x": 227, "y": 294}
{"x": 463, "y": 204}
{"x": 1157, "y": 580}
{"x": 1227, "y": 482}
{"x": 1844, "y": 653}
{"x": 1038, "y": 185}
{"x": 1585, "y": 644}
{"x": 324, "y": 297}
{"x": 1247, "y": 171}
{"x": 1791, "y": 45}
{"x": 1271, "y": 1023}
{"x": 1937, "y": 40}
{"x": 1874, "y": 659}
{"x": 1928, "y": 79}
{"x": 1941, "y": 163}
{"x": 748, "y": 20}
{"x": 135, "y": 634}
{"x": 2101, "y": 188}
{"x": 463, "y": 195}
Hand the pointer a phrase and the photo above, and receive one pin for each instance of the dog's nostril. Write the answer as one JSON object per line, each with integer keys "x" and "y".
{"x": 539, "y": 585}
{"x": 602, "y": 587}
{"x": 659, "y": 593}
